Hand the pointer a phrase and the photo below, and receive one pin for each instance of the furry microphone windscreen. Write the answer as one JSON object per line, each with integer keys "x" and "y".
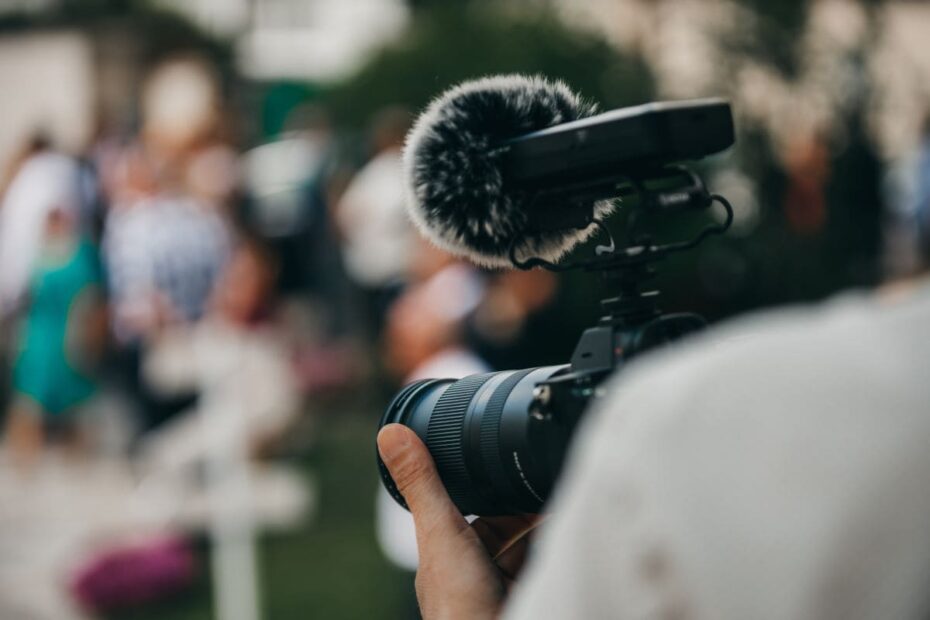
{"x": 458, "y": 194}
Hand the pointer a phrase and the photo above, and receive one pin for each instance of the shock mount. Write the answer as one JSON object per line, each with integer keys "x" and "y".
{"x": 632, "y": 322}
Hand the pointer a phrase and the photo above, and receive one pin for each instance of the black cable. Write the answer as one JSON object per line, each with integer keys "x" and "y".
{"x": 649, "y": 253}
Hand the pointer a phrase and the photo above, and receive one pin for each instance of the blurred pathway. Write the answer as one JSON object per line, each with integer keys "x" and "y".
{"x": 64, "y": 511}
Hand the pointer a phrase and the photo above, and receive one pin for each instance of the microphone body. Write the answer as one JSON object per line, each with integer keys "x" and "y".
{"x": 459, "y": 194}
{"x": 522, "y": 163}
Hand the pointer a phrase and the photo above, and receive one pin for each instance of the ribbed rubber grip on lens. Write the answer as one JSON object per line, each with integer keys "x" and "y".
{"x": 491, "y": 425}
{"x": 396, "y": 412}
{"x": 445, "y": 437}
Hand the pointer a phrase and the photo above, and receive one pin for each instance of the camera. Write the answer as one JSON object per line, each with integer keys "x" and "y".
{"x": 499, "y": 439}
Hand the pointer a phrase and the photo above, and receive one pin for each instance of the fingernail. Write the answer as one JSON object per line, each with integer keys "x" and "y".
{"x": 393, "y": 441}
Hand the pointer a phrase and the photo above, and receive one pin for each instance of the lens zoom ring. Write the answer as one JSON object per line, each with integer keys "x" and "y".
{"x": 445, "y": 436}
{"x": 491, "y": 426}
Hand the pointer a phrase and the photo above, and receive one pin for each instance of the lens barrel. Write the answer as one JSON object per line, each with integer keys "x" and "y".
{"x": 488, "y": 449}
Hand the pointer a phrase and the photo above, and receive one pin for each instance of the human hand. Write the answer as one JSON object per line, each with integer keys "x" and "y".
{"x": 465, "y": 570}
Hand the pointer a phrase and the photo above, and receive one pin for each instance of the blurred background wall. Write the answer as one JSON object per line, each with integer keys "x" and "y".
{"x": 66, "y": 59}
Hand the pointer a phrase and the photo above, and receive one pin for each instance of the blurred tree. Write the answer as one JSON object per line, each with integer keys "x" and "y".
{"x": 155, "y": 32}
{"x": 813, "y": 234}
{"x": 417, "y": 5}
{"x": 132, "y": 36}
{"x": 448, "y": 42}
{"x": 775, "y": 30}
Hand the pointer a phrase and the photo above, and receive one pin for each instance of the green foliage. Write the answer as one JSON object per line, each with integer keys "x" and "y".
{"x": 457, "y": 41}
{"x": 770, "y": 37}
{"x": 157, "y": 32}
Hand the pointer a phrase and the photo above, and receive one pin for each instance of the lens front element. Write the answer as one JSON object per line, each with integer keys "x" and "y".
{"x": 479, "y": 432}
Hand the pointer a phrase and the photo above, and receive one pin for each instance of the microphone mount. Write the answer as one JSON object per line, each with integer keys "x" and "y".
{"x": 633, "y": 322}
{"x": 651, "y": 197}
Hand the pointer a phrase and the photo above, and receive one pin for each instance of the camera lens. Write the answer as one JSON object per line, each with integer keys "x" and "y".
{"x": 491, "y": 454}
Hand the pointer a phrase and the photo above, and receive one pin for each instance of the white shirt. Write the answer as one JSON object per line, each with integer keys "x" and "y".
{"x": 775, "y": 468}
{"x": 372, "y": 216}
{"x": 171, "y": 245}
{"x": 46, "y": 182}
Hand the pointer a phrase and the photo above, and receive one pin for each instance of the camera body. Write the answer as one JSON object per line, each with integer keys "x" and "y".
{"x": 499, "y": 439}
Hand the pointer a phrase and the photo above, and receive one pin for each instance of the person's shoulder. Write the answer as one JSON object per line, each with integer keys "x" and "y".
{"x": 798, "y": 354}
{"x": 749, "y": 459}
{"x": 764, "y": 340}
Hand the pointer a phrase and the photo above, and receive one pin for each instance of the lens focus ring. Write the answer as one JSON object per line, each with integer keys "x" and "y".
{"x": 445, "y": 437}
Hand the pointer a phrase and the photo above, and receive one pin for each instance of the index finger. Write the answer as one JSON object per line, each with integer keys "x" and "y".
{"x": 499, "y": 533}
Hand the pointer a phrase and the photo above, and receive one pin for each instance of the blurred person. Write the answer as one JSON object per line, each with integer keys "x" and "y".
{"x": 41, "y": 181}
{"x": 182, "y": 147}
{"x": 425, "y": 325}
{"x": 922, "y": 198}
{"x": 907, "y": 192}
{"x": 166, "y": 235}
{"x": 807, "y": 164}
{"x": 424, "y": 338}
{"x": 285, "y": 176}
{"x": 920, "y": 206}
{"x": 240, "y": 366}
{"x": 164, "y": 255}
{"x": 513, "y": 325}
{"x": 287, "y": 182}
{"x": 60, "y": 341}
{"x": 234, "y": 358}
{"x": 377, "y": 236}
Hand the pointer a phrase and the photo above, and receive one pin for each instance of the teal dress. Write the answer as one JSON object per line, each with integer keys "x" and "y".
{"x": 43, "y": 369}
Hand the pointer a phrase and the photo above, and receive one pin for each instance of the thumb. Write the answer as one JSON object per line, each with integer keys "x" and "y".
{"x": 415, "y": 475}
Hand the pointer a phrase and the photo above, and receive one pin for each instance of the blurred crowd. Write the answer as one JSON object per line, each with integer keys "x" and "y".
{"x": 181, "y": 306}
{"x": 170, "y": 303}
